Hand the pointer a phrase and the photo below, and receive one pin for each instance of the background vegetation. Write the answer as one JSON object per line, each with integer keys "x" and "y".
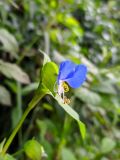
{"x": 85, "y": 31}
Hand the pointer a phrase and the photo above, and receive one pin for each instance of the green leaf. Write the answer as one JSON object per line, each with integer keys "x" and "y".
{"x": 107, "y": 145}
{"x": 5, "y": 98}
{"x": 110, "y": 70}
{"x": 33, "y": 150}
{"x": 46, "y": 57}
{"x": 9, "y": 42}
{"x": 49, "y": 76}
{"x": 15, "y": 116}
{"x": 29, "y": 88}
{"x": 13, "y": 71}
{"x": 104, "y": 87}
{"x": 84, "y": 93}
{"x": 2, "y": 144}
{"x": 71, "y": 22}
{"x": 47, "y": 106}
{"x": 82, "y": 129}
{"x": 1, "y": 158}
{"x": 9, "y": 157}
{"x": 67, "y": 154}
{"x": 73, "y": 114}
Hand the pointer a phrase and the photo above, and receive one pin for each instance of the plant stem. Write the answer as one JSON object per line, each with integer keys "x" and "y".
{"x": 19, "y": 108}
{"x": 10, "y": 139}
{"x": 65, "y": 132}
{"x": 47, "y": 43}
{"x": 39, "y": 94}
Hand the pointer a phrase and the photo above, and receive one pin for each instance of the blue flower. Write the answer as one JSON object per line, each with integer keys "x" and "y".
{"x": 71, "y": 73}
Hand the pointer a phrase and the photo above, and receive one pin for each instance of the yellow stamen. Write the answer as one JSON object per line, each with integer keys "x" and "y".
{"x": 65, "y": 87}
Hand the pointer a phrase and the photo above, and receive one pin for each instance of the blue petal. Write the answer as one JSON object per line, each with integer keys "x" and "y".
{"x": 78, "y": 77}
{"x": 66, "y": 70}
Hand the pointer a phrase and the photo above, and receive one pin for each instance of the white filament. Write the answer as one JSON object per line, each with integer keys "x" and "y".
{"x": 61, "y": 89}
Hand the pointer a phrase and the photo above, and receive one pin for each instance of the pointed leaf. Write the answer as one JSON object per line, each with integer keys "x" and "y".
{"x": 9, "y": 42}
{"x": 49, "y": 76}
{"x": 83, "y": 94}
{"x": 107, "y": 145}
{"x": 9, "y": 157}
{"x": 46, "y": 57}
{"x": 2, "y": 144}
{"x": 73, "y": 114}
{"x": 5, "y": 98}
{"x": 13, "y": 71}
{"x": 67, "y": 154}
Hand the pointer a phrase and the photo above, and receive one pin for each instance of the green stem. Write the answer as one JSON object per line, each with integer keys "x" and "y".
{"x": 39, "y": 94}
{"x": 47, "y": 43}
{"x": 19, "y": 108}
{"x": 65, "y": 131}
{"x": 16, "y": 130}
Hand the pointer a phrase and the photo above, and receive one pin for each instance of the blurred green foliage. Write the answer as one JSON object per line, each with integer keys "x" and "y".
{"x": 85, "y": 31}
